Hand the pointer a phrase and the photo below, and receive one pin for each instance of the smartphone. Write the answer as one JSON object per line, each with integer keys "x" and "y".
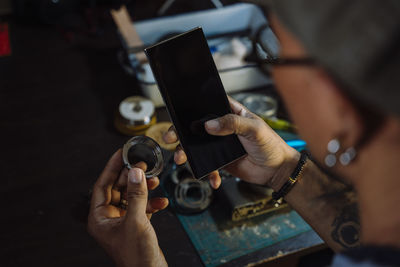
{"x": 192, "y": 90}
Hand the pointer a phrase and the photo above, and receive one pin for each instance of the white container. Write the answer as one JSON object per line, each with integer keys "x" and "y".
{"x": 233, "y": 18}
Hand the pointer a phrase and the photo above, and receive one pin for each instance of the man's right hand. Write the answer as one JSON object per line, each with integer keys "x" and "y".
{"x": 268, "y": 157}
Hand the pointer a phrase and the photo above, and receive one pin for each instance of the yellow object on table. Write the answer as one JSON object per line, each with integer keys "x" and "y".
{"x": 157, "y": 131}
{"x": 278, "y": 124}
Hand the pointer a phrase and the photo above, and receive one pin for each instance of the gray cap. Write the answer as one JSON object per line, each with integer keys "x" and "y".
{"x": 357, "y": 41}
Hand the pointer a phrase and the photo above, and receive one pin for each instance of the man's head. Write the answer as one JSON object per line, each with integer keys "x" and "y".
{"x": 352, "y": 89}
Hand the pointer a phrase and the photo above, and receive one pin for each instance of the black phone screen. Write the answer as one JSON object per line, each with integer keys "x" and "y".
{"x": 193, "y": 93}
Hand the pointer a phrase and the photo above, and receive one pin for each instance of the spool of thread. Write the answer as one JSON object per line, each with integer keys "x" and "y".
{"x": 135, "y": 115}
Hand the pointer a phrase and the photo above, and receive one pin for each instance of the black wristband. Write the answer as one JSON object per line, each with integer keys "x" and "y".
{"x": 278, "y": 196}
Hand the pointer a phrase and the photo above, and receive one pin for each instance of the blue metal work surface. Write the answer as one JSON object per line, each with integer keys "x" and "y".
{"x": 217, "y": 246}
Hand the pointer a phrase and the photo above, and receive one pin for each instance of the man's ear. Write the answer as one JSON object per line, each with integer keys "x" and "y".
{"x": 345, "y": 117}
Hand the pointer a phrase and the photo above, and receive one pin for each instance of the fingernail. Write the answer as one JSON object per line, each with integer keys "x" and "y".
{"x": 170, "y": 135}
{"x": 135, "y": 175}
{"x": 212, "y": 183}
{"x": 181, "y": 153}
{"x": 212, "y": 124}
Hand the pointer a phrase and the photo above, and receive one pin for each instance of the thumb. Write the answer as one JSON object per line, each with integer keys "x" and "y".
{"x": 231, "y": 124}
{"x": 136, "y": 194}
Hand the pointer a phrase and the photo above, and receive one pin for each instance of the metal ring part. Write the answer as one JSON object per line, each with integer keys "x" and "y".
{"x": 143, "y": 148}
{"x": 261, "y": 105}
{"x": 192, "y": 195}
{"x": 180, "y": 173}
{"x": 123, "y": 204}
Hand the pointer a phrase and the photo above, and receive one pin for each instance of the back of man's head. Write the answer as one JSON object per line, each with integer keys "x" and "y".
{"x": 357, "y": 42}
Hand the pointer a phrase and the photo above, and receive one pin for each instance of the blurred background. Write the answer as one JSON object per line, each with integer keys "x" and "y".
{"x": 64, "y": 70}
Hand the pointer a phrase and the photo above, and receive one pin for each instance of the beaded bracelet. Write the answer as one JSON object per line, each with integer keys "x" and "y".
{"x": 278, "y": 196}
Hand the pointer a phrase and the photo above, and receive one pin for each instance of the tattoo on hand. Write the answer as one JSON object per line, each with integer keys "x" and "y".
{"x": 347, "y": 227}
